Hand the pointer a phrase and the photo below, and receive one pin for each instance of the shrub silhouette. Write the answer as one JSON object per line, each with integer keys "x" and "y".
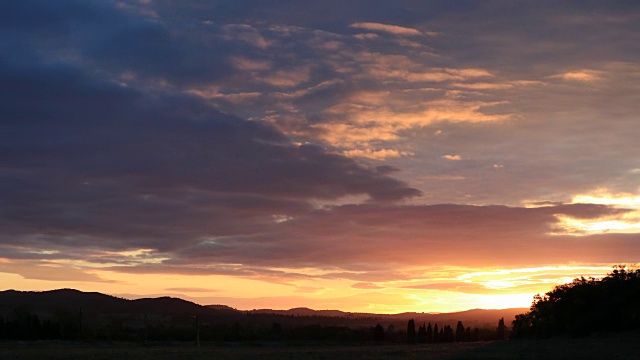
{"x": 585, "y": 306}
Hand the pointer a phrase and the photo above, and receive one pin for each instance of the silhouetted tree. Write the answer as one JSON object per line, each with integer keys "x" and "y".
{"x": 585, "y": 306}
{"x": 436, "y": 335}
{"x": 422, "y": 334}
{"x": 378, "y": 333}
{"x": 429, "y": 333}
{"x": 459, "y": 332}
{"x": 467, "y": 335}
{"x": 276, "y": 330}
{"x": 411, "y": 332}
{"x": 448, "y": 335}
{"x": 502, "y": 330}
{"x": 390, "y": 333}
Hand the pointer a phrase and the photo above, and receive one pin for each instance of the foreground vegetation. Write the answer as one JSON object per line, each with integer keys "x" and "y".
{"x": 620, "y": 346}
{"x": 584, "y": 307}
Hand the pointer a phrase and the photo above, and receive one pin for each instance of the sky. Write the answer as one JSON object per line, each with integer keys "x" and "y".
{"x": 366, "y": 156}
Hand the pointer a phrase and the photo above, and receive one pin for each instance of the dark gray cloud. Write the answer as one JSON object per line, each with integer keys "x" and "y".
{"x": 89, "y": 162}
{"x": 373, "y": 242}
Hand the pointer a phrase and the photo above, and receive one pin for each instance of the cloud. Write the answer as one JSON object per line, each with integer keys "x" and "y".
{"x": 376, "y": 154}
{"x": 457, "y": 287}
{"x": 452, "y": 157}
{"x": 366, "y": 36}
{"x": 191, "y": 290}
{"x": 366, "y": 286}
{"x": 583, "y": 75}
{"x": 245, "y": 33}
{"x": 245, "y": 64}
{"x": 287, "y": 78}
{"x": 625, "y": 221}
{"x": 359, "y": 240}
{"x": 443, "y": 177}
{"x": 406, "y": 68}
{"x": 391, "y": 29}
{"x": 387, "y": 120}
{"x": 49, "y": 271}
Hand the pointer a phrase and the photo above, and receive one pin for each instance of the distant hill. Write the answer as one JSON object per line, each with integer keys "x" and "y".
{"x": 473, "y": 318}
{"x": 95, "y": 306}
{"x": 98, "y": 302}
{"x": 72, "y": 314}
{"x": 303, "y": 311}
{"x": 95, "y": 303}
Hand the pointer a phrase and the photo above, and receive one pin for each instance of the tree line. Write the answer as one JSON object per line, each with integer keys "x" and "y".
{"x": 585, "y": 306}
{"x": 22, "y": 324}
{"x": 428, "y": 334}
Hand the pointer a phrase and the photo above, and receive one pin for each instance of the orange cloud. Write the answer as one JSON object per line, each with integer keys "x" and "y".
{"x": 347, "y": 135}
{"x": 401, "y": 67}
{"x": 287, "y": 78}
{"x": 50, "y": 271}
{"x": 366, "y": 286}
{"x": 497, "y": 85}
{"x": 366, "y": 36}
{"x": 379, "y": 116}
{"x": 376, "y": 154}
{"x": 584, "y": 75}
{"x": 392, "y": 29}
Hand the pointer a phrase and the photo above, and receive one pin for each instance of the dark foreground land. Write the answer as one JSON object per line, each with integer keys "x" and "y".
{"x": 626, "y": 346}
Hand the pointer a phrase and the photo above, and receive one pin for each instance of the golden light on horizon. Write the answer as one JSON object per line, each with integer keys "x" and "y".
{"x": 450, "y": 290}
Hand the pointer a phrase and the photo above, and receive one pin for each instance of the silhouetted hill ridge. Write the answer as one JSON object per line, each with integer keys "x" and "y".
{"x": 94, "y": 303}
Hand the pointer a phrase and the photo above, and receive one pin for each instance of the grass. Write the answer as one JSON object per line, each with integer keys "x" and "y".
{"x": 49, "y": 350}
{"x": 622, "y": 347}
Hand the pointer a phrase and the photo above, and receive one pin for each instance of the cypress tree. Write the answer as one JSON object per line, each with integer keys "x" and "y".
{"x": 422, "y": 334}
{"x": 436, "y": 335}
{"x": 429, "y": 333}
{"x": 411, "y": 332}
{"x": 459, "y": 332}
{"x": 501, "y": 332}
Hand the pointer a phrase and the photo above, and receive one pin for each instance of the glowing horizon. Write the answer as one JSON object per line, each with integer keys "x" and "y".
{"x": 466, "y": 289}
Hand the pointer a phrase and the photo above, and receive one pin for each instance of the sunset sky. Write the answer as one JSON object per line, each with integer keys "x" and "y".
{"x": 361, "y": 155}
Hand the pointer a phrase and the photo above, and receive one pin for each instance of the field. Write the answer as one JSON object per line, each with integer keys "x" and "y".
{"x": 625, "y": 347}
